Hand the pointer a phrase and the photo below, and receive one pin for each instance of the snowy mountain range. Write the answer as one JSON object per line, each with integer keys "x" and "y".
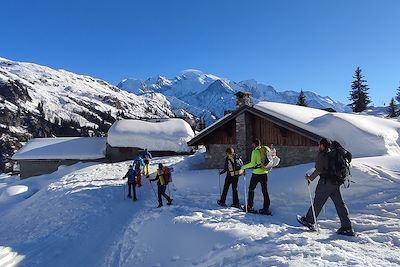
{"x": 37, "y": 101}
{"x": 208, "y": 96}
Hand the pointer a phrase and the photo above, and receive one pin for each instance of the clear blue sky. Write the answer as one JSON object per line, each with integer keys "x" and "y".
{"x": 311, "y": 45}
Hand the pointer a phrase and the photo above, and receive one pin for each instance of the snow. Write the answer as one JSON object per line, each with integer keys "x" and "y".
{"x": 166, "y": 135}
{"x": 362, "y": 135}
{"x": 81, "y": 208}
{"x": 80, "y": 216}
{"x": 81, "y": 148}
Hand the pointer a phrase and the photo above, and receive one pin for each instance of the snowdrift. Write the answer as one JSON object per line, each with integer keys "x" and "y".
{"x": 167, "y": 135}
{"x": 362, "y": 135}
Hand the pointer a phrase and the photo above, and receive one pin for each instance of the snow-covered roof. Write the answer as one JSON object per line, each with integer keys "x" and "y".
{"x": 363, "y": 135}
{"x": 168, "y": 135}
{"x": 79, "y": 148}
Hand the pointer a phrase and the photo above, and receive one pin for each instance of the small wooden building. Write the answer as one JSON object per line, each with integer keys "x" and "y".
{"x": 294, "y": 144}
{"x": 44, "y": 155}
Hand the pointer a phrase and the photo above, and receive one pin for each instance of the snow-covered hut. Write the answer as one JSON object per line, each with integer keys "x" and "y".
{"x": 44, "y": 155}
{"x": 162, "y": 138}
{"x": 295, "y": 144}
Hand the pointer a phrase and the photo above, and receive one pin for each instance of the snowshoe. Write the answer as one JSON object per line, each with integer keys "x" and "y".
{"x": 235, "y": 206}
{"x": 265, "y": 212}
{"x": 222, "y": 204}
{"x": 302, "y": 220}
{"x": 346, "y": 232}
{"x": 249, "y": 209}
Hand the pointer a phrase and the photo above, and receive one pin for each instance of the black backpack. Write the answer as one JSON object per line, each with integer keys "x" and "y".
{"x": 237, "y": 164}
{"x": 339, "y": 165}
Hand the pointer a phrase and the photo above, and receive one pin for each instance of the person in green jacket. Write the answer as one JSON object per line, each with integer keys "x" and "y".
{"x": 259, "y": 175}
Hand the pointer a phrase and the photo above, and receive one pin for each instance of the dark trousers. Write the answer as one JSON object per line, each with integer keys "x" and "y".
{"x": 262, "y": 179}
{"x": 161, "y": 192}
{"x": 133, "y": 185}
{"x": 230, "y": 180}
{"x": 324, "y": 190}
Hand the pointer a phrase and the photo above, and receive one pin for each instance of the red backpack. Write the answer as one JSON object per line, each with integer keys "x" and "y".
{"x": 167, "y": 175}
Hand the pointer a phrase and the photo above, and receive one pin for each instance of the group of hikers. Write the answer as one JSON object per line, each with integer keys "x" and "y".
{"x": 141, "y": 164}
{"x": 331, "y": 165}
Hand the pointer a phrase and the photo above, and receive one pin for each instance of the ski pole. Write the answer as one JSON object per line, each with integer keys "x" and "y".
{"x": 312, "y": 207}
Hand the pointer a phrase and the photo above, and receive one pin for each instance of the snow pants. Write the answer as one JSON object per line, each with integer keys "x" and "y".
{"x": 230, "y": 180}
{"x": 262, "y": 179}
{"x": 324, "y": 190}
{"x": 133, "y": 185}
{"x": 161, "y": 192}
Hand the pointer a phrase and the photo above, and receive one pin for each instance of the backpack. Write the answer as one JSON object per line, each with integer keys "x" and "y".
{"x": 167, "y": 175}
{"x": 269, "y": 159}
{"x": 137, "y": 166}
{"x": 236, "y": 164}
{"x": 339, "y": 165}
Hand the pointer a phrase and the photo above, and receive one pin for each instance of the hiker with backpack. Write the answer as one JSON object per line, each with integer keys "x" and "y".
{"x": 232, "y": 166}
{"x": 329, "y": 164}
{"x": 131, "y": 175}
{"x": 163, "y": 177}
{"x": 259, "y": 175}
{"x": 138, "y": 165}
{"x": 146, "y": 156}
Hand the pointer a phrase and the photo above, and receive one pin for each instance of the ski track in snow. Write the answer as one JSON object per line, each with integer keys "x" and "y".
{"x": 83, "y": 219}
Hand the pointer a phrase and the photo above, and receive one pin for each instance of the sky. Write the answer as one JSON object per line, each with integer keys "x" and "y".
{"x": 311, "y": 45}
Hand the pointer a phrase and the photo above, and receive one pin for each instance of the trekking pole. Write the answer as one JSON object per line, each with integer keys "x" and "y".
{"x": 312, "y": 207}
{"x": 219, "y": 182}
{"x": 153, "y": 189}
{"x": 123, "y": 188}
{"x": 245, "y": 194}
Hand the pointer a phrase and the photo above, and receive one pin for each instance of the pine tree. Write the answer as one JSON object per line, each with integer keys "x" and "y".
{"x": 301, "y": 99}
{"x": 392, "y": 109}
{"x": 359, "y": 92}
{"x": 398, "y": 94}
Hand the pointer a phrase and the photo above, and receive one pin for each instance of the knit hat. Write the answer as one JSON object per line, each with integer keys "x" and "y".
{"x": 326, "y": 142}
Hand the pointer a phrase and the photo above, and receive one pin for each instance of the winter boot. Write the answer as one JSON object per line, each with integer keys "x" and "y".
{"x": 304, "y": 222}
{"x": 129, "y": 196}
{"x": 159, "y": 205}
{"x": 345, "y": 231}
{"x": 265, "y": 212}
{"x": 170, "y": 202}
{"x": 235, "y": 206}
{"x": 222, "y": 204}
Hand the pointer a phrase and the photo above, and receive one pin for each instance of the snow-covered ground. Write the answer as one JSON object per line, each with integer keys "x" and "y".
{"x": 79, "y": 216}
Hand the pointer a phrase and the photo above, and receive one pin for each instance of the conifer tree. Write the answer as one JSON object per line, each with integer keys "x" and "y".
{"x": 392, "y": 109}
{"x": 359, "y": 92}
{"x": 398, "y": 94}
{"x": 301, "y": 99}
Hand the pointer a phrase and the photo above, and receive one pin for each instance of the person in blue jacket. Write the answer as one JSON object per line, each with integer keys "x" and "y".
{"x": 131, "y": 175}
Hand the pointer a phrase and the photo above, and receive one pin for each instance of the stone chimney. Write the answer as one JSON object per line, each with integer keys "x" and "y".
{"x": 243, "y": 99}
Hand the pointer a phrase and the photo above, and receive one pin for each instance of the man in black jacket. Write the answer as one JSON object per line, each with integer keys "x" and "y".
{"x": 327, "y": 187}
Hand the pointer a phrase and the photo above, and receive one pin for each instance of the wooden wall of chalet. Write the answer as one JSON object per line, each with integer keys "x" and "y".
{"x": 226, "y": 134}
{"x": 271, "y": 133}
